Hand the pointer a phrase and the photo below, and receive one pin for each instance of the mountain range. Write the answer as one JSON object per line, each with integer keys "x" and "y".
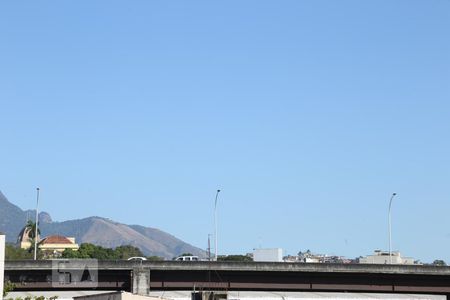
{"x": 96, "y": 230}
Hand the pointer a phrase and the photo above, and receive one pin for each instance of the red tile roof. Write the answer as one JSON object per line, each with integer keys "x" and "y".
{"x": 56, "y": 239}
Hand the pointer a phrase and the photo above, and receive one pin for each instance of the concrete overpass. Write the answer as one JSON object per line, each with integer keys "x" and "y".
{"x": 144, "y": 276}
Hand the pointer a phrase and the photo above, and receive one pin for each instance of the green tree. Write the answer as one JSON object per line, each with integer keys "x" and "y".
{"x": 87, "y": 250}
{"x": 235, "y": 258}
{"x": 127, "y": 251}
{"x": 92, "y": 251}
{"x": 15, "y": 253}
{"x": 69, "y": 253}
{"x": 154, "y": 258}
{"x": 8, "y": 287}
{"x": 31, "y": 228}
{"x": 439, "y": 262}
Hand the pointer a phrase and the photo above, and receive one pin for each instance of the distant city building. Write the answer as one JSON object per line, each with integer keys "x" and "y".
{"x": 51, "y": 246}
{"x": 309, "y": 257}
{"x": 290, "y": 258}
{"x": 268, "y": 255}
{"x": 382, "y": 257}
{"x": 54, "y": 245}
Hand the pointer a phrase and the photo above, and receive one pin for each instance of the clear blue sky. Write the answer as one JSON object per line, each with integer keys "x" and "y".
{"x": 307, "y": 114}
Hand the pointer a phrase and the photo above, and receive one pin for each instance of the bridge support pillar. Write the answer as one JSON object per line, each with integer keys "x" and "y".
{"x": 141, "y": 281}
{"x": 209, "y": 295}
{"x": 2, "y": 263}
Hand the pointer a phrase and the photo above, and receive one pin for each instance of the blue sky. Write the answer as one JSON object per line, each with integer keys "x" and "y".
{"x": 307, "y": 114}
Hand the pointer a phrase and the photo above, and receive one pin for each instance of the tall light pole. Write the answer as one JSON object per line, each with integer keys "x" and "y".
{"x": 215, "y": 225}
{"x": 36, "y": 225}
{"x": 390, "y": 231}
{"x": 209, "y": 246}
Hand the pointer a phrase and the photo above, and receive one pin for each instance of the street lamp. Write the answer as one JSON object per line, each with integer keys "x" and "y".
{"x": 390, "y": 231}
{"x": 36, "y": 225}
{"x": 209, "y": 246}
{"x": 215, "y": 225}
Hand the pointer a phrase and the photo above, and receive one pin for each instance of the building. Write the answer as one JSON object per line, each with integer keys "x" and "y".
{"x": 382, "y": 257}
{"x": 2, "y": 263}
{"x": 24, "y": 240}
{"x": 268, "y": 255}
{"x": 54, "y": 245}
{"x": 51, "y": 246}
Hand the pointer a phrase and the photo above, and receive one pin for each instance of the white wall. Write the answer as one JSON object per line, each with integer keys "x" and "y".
{"x": 384, "y": 259}
{"x": 2, "y": 263}
{"x": 268, "y": 255}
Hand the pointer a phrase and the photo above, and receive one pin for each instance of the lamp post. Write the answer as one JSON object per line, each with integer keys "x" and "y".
{"x": 390, "y": 231}
{"x": 209, "y": 247}
{"x": 215, "y": 225}
{"x": 36, "y": 225}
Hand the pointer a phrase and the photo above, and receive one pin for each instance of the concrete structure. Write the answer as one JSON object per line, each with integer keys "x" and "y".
{"x": 382, "y": 257}
{"x": 141, "y": 282}
{"x": 117, "y": 296}
{"x": 2, "y": 263}
{"x": 272, "y": 295}
{"x": 209, "y": 295}
{"x": 233, "y": 295}
{"x": 268, "y": 255}
{"x": 242, "y": 276}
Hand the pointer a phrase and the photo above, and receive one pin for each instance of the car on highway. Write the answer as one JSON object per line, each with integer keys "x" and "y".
{"x": 137, "y": 258}
{"x": 187, "y": 258}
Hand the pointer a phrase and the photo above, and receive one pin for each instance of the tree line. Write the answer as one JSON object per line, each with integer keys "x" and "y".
{"x": 86, "y": 251}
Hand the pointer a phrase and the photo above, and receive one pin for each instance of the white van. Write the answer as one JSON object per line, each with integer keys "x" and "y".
{"x": 187, "y": 258}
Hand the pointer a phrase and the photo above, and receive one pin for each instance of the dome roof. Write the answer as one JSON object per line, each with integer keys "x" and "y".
{"x": 56, "y": 239}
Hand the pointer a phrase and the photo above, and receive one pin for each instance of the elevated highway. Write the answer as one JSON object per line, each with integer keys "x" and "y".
{"x": 171, "y": 275}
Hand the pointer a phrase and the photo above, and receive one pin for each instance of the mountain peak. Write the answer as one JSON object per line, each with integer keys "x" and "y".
{"x": 44, "y": 217}
{"x": 96, "y": 230}
{"x": 12, "y": 219}
{"x": 3, "y": 197}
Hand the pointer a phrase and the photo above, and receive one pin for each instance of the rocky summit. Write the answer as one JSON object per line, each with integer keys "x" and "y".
{"x": 96, "y": 230}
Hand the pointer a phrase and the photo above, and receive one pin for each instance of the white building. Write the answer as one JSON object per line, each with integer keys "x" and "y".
{"x": 382, "y": 257}
{"x": 268, "y": 255}
{"x": 2, "y": 263}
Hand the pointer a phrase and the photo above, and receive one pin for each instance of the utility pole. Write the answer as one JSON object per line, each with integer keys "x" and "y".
{"x": 215, "y": 225}
{"x": 390, "y": 231}
{"x": 209, "y": 247}
{"x": 36, "y": 225}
